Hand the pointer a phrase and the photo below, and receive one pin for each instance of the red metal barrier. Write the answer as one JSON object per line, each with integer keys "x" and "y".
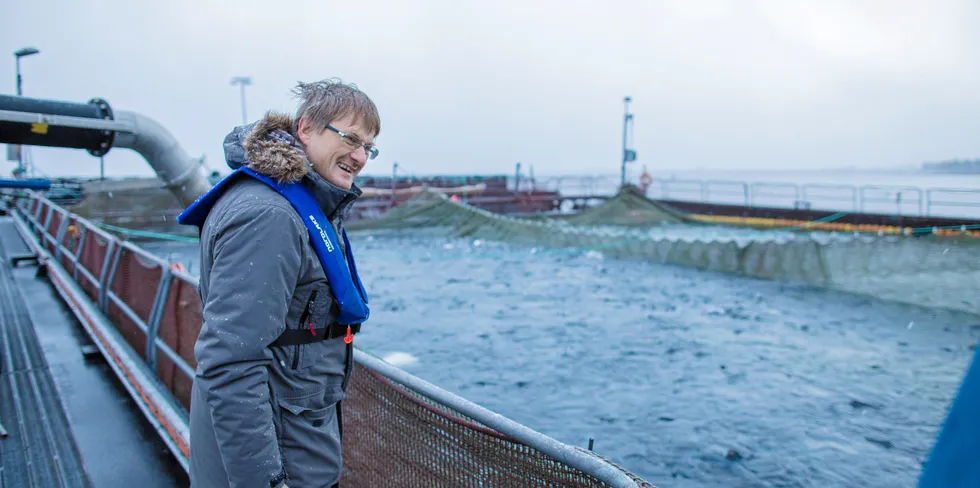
{"x": 134, "y": 283}
{"x": 179, "y": 327}
{"x": 92, "y": 259}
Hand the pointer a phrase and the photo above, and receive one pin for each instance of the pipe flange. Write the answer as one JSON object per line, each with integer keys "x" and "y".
{"x": 108, "y": 136}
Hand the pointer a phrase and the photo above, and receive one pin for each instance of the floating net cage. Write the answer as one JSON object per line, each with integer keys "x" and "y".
{"x": 925, "y": 270}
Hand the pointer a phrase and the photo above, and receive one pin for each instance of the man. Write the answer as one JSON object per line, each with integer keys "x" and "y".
{"x": 280, "y": 293}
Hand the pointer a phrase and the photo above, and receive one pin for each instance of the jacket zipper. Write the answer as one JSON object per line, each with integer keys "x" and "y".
{"x": 302, "y": 320}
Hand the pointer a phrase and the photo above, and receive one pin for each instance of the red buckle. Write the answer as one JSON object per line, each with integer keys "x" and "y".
{"x": 349, "y": 337}
{"x": 312, "y": 330}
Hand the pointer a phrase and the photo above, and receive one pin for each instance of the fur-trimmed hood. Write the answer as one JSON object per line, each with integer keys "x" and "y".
{"x": 268, "y": 147}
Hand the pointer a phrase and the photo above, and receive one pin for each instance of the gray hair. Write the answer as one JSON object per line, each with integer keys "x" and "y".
{"x": 325, "y": 101}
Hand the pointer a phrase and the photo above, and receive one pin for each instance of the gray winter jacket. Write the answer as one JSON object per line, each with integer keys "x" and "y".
{"x": 261, "y": 413}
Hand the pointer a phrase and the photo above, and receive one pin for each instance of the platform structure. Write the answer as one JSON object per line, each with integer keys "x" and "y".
{"x": 64, "y": 422}
{"x": 37, "y": 448}
{"x": 141, "y": 316}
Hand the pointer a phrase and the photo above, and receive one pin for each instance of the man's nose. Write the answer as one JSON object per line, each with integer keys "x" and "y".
{"x": 360, "y": 155}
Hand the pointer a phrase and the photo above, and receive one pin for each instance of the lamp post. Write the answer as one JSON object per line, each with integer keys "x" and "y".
{"x": 242, "y": 81}
{"x": 27, "y": 51}
{"x": 629, "y": 155}
{"x": 20, "y": 53}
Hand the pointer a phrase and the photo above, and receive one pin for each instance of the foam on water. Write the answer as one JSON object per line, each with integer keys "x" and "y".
{"x": 400, "y": 359}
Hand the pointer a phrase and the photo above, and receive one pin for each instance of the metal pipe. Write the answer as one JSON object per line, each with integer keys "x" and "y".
{"x": 181, "y": 174}
{"x": 93, "y": 126}
{"x": 31, "y": 184}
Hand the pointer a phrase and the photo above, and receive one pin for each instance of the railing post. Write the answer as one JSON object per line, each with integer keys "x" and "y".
{"x": 156, "y": 316}
{"x": 37, "y": 211}
{"x": 44, "y": 228}
{"x": 82, "y": 236}
{"x": 108, "y": 273}
{"x": 30, "y": 210}
{"x": 62, "y": 229}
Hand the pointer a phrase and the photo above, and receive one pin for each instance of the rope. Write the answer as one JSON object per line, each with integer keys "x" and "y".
{"x": 146, "y": 234}
{"x": 821, "y": 220}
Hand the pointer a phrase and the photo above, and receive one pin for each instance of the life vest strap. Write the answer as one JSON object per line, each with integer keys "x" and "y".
{"x": 295, "y": 337}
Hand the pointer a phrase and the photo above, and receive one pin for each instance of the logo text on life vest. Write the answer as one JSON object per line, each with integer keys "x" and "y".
{"x": 323, "y": 235}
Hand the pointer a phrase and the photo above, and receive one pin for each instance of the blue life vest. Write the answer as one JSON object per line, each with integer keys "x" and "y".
{"x": 345, "y": 284}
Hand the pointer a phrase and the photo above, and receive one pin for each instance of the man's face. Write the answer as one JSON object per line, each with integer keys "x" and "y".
{"x": 338, "y": 159}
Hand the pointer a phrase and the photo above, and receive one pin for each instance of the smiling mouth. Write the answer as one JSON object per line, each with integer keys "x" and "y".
{"x": 345, "y": 168}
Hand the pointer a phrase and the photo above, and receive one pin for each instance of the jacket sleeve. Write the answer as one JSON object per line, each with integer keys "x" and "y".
{"x": 256, "y": 262}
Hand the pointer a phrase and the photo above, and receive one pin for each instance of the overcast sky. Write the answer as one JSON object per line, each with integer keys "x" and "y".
{"x": 473, "y": 87}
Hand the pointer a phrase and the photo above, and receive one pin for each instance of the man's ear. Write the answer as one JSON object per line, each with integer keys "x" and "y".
{"x": 304, "y": 131}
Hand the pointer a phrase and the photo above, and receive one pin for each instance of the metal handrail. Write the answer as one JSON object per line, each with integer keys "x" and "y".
{"x": 930, "y": 202}
{"x": 582, "y": 460}
{"x": 857, "y": 197}
{"x": 757, "y": 189}
{"x": 898, "y": 190}
{"x": 743, "y": 191}
{"x": 855, "y": 202}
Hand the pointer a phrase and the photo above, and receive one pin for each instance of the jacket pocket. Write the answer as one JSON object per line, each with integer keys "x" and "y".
{"x": 319, "y": 315}
{"x": 310, "y": 436}
{"x": 305, "y": 323}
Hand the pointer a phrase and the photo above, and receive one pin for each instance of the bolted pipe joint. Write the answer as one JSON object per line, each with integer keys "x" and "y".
{"x": 94, "y": 126}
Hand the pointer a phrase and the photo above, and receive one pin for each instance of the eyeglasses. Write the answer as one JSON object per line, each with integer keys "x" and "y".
{"x": 355, "y": 143}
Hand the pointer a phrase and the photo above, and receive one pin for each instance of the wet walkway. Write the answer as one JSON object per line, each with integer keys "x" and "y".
{"x": 38, "y": 449}
{"x": 69, "y": 422}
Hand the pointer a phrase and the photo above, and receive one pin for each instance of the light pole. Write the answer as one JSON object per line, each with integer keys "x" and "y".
{"x": 20, "y": 53}
{"x": 27, "y": 51}
{"x": 242, "y": 81}
{"x": 629, "y": 155}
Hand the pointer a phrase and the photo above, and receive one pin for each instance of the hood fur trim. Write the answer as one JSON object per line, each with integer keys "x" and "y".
{"x": 274, "y": 156}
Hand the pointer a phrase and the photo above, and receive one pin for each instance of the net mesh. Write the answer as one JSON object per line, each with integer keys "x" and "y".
{"x": 394, "y": 437}
{"x": 628, "y": 207}
{"x": 925, "y": 270}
